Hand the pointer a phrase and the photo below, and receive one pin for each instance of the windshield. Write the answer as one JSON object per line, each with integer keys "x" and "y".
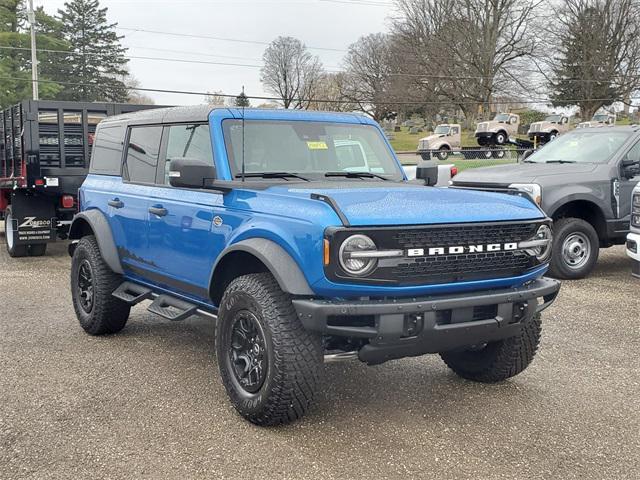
{"x": 502, "y": 117}
{"x": 308, "y": 149}
{"x": 600, "y": 117}
{"x": 441, "y": 130}
{"x": 553, "y": 118}
{"x": 581, "y": 147}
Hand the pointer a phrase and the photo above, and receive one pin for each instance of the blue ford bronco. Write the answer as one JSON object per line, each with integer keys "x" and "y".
{"x": 300, "y": 234}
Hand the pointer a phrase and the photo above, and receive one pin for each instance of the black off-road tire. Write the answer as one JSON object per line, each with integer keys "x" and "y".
{"x": 107, "y": 314}
{"x": 562, "y": 230}
{"x": 499, "y": 360}
{"x": 14, "y": 251}
{"x": 294, "y": 356}
{"x": 37, "y": 249}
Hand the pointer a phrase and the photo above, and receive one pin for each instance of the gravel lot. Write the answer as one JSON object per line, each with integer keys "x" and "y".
{"x": 148, "y": 403}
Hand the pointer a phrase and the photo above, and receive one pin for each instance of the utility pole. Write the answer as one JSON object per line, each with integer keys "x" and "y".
{"x": 31, "y": 15}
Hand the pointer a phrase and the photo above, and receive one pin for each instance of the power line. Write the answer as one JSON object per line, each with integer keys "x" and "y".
{"x": 245, "y": 65}
{"x": 331, "y": 101}
{"x": 222, "y": 39}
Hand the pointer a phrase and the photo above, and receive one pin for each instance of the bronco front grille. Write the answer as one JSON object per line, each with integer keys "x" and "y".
{"x": 426, "y": 269}
{"x": 464, "y": 234}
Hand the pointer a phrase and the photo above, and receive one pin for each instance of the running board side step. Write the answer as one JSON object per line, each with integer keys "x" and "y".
{"x": 172, "y": 308}
{"x": 132, "y": 293}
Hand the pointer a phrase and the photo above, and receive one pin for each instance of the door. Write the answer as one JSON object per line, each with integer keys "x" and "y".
{"x": 128, "y": 205}
{"x": 626, "y": 185}
{"x": 184, "y": 239}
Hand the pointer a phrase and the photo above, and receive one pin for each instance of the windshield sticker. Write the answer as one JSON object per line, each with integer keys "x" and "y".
{"x": 317, "y": 146}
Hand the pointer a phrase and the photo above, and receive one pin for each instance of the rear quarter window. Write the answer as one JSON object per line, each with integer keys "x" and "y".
{"x": 107, "y": 150}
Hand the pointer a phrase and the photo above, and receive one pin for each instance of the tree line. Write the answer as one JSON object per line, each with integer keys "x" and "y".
{"x": 470, "y": 57}
{"x": 80, "y": 55}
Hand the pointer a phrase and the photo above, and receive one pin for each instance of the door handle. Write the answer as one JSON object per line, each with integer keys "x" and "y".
{"x": 158, "y": 211}
{"x": 116, "y": 203}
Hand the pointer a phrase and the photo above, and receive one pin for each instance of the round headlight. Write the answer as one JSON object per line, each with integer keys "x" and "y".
{"x": 353, "y": 255}
{"x": 543, "y": 253}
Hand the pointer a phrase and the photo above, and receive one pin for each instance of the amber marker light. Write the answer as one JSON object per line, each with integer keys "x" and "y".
{"x": 326, "y": 252}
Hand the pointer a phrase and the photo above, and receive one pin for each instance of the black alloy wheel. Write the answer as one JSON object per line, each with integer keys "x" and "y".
{"x": 247, "y": 355}
{"x": 85, "y": 286}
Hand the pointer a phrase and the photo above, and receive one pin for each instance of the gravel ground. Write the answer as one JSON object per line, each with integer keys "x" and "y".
{"x": 148, "y": 403}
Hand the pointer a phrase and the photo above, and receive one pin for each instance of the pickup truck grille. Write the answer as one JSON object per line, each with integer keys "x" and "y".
{"x": 482, "y": 127}
{"x": 535, "y": 127}
{"x": 423, "y": 267}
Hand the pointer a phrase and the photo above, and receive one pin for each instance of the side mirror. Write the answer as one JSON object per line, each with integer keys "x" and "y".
{"x": 428, "y": 172}
{"x": 190, "y": 173}
{"x": 630, "y": 167}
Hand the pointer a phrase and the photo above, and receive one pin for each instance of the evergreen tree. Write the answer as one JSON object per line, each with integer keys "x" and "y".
{"x": 97, "y": 58}
{"x": 15, "y": 57}
{"x": 242, "y": 100}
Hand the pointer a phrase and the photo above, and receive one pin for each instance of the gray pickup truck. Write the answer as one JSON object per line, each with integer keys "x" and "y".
{"x": 583, "y": 180}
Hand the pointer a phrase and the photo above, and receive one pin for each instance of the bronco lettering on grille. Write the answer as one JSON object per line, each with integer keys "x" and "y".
{"x": 460, "y": 249}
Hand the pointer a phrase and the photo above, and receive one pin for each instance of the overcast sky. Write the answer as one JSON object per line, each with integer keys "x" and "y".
{"x": 328, "y": 26}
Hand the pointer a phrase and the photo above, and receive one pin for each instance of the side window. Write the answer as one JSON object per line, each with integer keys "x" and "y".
{"x": 634, "y": 153}
{"x": 454, "y": 131}
{"x": 190, "y": 141}
{"x": 107, "y": 150}
{"x": 142, "y": 154}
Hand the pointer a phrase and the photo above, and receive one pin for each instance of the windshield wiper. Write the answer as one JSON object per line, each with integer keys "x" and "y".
{"x": 355, "y": 175}
{"x": 560, "y": 161}
{"x": 284, "y": 175}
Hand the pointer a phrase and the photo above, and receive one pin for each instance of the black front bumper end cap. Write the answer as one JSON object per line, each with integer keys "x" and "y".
{"x": 635, "y": 269}
{"x": 387, "y": 326}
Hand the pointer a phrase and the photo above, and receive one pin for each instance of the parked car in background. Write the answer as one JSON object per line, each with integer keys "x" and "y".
{"x": 583, "y": 180}
{"x": 599, "y": 120}
{"x": 548, "y": 129}
{"x": 498, "y": 130}
{"x": 633, "y": 239}
{"x": 299, "y": 257}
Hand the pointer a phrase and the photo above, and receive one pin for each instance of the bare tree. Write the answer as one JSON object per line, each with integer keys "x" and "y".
{"x": 134, "y": 95}
{"x": 367, "y": 79}
{"x": 291, "y": 72}
{"x": 599, "y": 57}
{"x": 329, "y": 94}
{"x": 217, "y": 99}
{"x": 466, "y": 51}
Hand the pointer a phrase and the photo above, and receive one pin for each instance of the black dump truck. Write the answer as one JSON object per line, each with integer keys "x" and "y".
{"x": 45, "y": 148}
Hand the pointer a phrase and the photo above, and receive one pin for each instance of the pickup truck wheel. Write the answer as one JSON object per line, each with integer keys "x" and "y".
{"x": 270, "y": 365}
{"x": 497, "y": 361}
{"x": 10, "y": 237}
{"x": 443, "y": 153}
{"x": 92, "y": 283}
{"x": 500, "y": 138}
{"x": 575, "y": 249}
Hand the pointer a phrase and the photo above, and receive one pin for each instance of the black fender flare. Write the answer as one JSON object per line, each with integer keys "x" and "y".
{"x": 284, "y": 268}
{"x": 97, "y": 222}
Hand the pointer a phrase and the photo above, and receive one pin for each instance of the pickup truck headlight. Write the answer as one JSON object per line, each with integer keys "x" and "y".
{"x": 358, "y": 255}
{"x": 532, "y": 189}
{"x": 635, "y": 210}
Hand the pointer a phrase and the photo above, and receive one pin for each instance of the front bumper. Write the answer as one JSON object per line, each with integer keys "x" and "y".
{"x": 633, "y": 250}
{"x": 484, "y": 138}
{"x": 544, "y": 136}
{"x": 404, "y": 327}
